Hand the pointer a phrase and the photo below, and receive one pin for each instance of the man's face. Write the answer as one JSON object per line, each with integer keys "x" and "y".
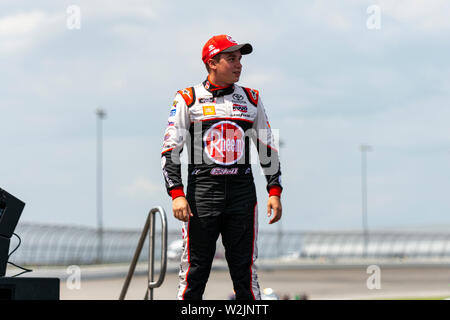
{"x": 228, "y": 69}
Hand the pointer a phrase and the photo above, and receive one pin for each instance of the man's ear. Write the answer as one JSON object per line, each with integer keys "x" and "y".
{"x": 212, "y": 64}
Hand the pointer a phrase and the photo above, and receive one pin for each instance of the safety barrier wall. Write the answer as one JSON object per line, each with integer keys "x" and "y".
{"x": 63, "y": 245}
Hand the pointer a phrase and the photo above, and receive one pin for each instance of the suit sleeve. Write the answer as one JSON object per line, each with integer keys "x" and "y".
{"x": 268, "y": 154}
{"x": 174, "y": 139}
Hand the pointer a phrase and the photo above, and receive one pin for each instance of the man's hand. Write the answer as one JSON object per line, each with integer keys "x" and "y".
{"x": 274, "y": 204}
{"x": 181, "y": 209}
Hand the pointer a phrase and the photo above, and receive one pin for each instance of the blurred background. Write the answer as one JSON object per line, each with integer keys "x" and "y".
{"x": 358, "y": 90}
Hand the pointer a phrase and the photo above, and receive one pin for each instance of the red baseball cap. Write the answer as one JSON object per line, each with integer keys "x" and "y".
{"x": 223, "y": 43}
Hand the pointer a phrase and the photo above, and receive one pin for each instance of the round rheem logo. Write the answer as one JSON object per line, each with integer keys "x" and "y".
{"x": 224, "y": 143}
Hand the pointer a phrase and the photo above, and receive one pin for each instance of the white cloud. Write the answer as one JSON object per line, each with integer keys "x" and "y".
{"x": 429, "y": 15}
{"x": 142, "y": 187}
{"x": 15, "y": 30}
{"x": 21, "y": 24}
{"x": 332, "y": 14}
{"x": 258, "y": 80}
{"x": 20, "y": 31}
{"x": 130, "y": 30}
{"x": 112, "y": 9}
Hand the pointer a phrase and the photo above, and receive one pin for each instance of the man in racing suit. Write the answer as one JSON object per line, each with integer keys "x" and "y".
{"x": 216, "y": 120}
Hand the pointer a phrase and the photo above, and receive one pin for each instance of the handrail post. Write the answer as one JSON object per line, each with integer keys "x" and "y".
{"x": 149, "y": 228}
{"x": 151, "y": 255}
{"x": 162, "y": 273}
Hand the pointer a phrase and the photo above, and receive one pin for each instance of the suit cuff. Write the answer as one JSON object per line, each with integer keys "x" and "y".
{"x": 177, "y": 192}
{"x": 275, "y": 191}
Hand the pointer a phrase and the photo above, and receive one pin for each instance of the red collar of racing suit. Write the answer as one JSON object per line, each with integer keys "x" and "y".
{"x": 217, "y": 91}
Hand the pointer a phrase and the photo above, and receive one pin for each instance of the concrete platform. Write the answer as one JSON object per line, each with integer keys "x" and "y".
{"x": 317, "y": 283}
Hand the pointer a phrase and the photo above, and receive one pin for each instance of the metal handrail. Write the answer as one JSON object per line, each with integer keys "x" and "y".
{"x": 150, "y": 229}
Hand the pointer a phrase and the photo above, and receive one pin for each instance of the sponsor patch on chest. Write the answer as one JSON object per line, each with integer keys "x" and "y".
{"x": 207, "y": 100}
{"x": 224, "y": 143}
{"x": 224, "y": 171}
{"x": 239, "y": 107}
{"x": 209, "y": 110}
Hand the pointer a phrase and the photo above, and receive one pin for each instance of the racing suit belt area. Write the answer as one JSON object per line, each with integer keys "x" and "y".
{"x": 213, "y": 195}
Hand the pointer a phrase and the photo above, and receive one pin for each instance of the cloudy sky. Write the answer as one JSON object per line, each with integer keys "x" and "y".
{"x": 330, "y": 76}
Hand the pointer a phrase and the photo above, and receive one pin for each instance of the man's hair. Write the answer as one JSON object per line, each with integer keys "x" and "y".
{"x": 215, "y": 58}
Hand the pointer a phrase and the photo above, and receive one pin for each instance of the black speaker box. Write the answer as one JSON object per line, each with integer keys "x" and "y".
{"x": 10, "y": 210}
{"x": 29, "y": 288}
{"x": 4, "y": 248}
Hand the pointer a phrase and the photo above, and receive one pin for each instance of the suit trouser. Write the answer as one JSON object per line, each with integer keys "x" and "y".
{"x": 237, "y": 222}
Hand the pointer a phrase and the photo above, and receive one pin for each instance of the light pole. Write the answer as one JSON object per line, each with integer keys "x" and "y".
{"x": 364, "y": 149}
{"x": 280, "y": 223}
{"x": 101, "y": 114}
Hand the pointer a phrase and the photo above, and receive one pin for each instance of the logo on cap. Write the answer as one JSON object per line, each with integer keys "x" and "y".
{"x": 231, "y": 39}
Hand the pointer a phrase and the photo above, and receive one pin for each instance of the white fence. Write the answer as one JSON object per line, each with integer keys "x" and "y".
{"x": 63, "y": 245}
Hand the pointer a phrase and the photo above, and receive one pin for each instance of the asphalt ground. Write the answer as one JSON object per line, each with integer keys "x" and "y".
{"x": 326, "y": 282}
